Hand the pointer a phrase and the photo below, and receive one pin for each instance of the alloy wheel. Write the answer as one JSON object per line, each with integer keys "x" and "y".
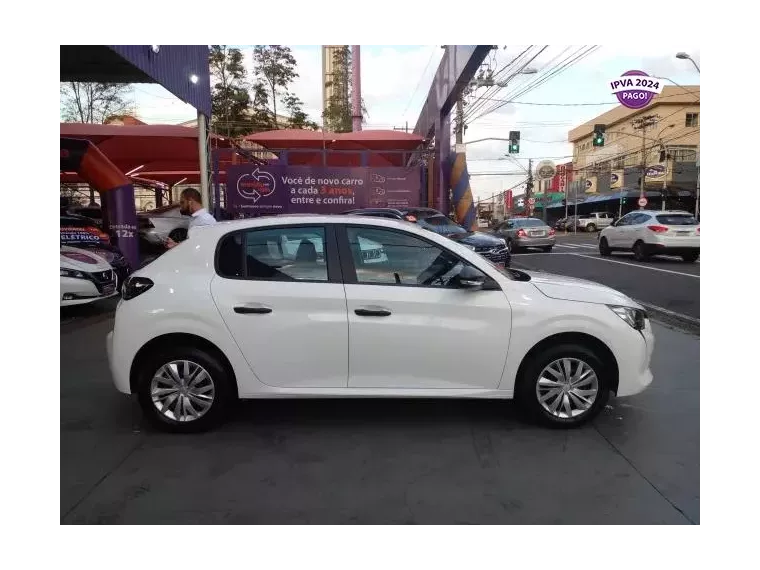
{"x": 567, "y": 388}
{"x": 182, "y": 390}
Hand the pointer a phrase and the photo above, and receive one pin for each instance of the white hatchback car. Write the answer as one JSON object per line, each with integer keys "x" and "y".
{"x": 293, "y": 306}
{"x": 652, "y": 232}
{"x": 85, "y": 277}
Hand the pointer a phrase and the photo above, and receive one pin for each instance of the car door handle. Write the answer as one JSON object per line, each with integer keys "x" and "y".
{"x": 373, "y": 312}
{"x": 252, "y": 310}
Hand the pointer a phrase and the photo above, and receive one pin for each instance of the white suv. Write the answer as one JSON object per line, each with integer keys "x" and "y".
{"x": 330, "y": 306}
{"x": 651, "y": 232}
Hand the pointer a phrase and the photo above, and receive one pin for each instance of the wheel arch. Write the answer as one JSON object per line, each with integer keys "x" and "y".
{"x": 591, "y": 342}
{"x": 158, "y": 343}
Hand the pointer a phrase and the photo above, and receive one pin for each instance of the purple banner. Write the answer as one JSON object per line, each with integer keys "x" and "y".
{"x": 122, "y": 221}
{"x": 255, "y": 190}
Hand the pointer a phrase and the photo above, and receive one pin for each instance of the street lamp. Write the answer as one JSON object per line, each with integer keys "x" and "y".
{"x": 698, "y": 207}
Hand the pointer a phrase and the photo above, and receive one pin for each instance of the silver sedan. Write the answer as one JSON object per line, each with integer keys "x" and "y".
{"x": 527, "y": 232}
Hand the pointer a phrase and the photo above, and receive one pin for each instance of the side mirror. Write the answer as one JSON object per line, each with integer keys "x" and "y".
{"x": 470, "y": 278}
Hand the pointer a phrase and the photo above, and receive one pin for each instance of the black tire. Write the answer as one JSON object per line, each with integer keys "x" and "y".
{"x": 591, "y": 228}
{"x": 224, "y": 392}
{"x": 604, "y": 248}
{"x": 511, "y": 246}
{"x": 690, "y": 257}
{"x": 178, "y": 234}
{"x": 639, "y": 251}
{"x": 526, "y": 385}
{"x": 547, "y": 249}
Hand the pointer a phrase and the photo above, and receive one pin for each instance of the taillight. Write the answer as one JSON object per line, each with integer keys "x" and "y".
{"x": 410, "y": 218}
{"x": 521, "y": 233}
{"x": 657, "y": 229}
{"x": 552, "y": 231}
{"x": 135, "y": 286}
{"x": 697, "y": 230}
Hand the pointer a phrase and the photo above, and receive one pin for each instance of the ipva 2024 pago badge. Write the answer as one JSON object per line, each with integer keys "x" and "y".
{"x": 635, "y": 89}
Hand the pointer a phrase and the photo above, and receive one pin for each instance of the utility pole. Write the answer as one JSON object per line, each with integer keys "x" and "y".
{"x": 529, "y": 186}
{"x": 459, "y": 131}
{"x": 665, "y": 179}
{"x": 642, "y": 124}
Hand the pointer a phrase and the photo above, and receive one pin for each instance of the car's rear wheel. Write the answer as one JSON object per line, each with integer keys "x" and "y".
{"x": 511, "y": 246}
{"x": 604, "y": 248}
{"x": 564, "y": 386}
{"x": 184, "y": 389}
{"x": 547, "y": 249}
{"x": 640, "y": 251}
{"x": 690, "y": 257}
{"x": 591, "y": 228}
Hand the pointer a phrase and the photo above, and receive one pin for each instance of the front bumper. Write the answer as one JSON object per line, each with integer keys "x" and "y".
{"x": 76, "y": 291}
{"x": 634, "y": 373}
{"x": 497, "y": 255}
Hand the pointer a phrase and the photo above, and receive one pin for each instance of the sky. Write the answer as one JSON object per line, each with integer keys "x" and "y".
{"x": 396, "y": 80}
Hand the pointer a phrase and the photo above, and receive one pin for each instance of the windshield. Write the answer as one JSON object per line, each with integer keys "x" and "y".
{"x": 441, "y": 225}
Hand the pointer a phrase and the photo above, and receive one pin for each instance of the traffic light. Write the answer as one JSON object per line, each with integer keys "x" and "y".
{"x": 514, "y": 142}
{"x": 598, "y": 135}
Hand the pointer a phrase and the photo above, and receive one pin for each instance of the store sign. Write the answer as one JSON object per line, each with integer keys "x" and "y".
{"x": 656, "y": 171}
{"x": 545, "y": 170}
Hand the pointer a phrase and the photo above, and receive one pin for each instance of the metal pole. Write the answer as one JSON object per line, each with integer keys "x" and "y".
{"x": 356, "y": 93}
{"x": 203, "y": 160}
{"x": 643, "y": 167}
{"x": 529, "y": 187}
{"x": 575, "y": 206}
{"x": 699, "y": 209}
{"x": 665, "y": 181}
{"x": 459, "y": 133}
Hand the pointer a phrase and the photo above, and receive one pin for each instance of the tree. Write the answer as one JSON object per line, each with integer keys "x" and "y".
{"x": 298, "y": 118}
{"x": 94, "y": 102}
{"x": 230, "y": 100}
{"x": 276, "y": 67}
{"x": 338, "y": 115}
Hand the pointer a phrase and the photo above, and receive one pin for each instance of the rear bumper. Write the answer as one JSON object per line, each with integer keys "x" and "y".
{"x": 663, "y": 249}
{"x": 535, "y": 241}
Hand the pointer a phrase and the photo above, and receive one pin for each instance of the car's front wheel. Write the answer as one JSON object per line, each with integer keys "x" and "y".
{"x": 184, "y": 389}
{"x": 604, "y": 247}
{"x": 563, "y": 386}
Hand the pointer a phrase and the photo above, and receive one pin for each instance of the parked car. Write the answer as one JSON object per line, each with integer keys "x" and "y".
{"x": 595, "y": 221}
{"x": 492, "y": 248}
{"x": 527, "y": 232}
{"x": 560, "y": 224}
{"x": 78, "y": 231}
{"x": 157, "y": 225}
{"x": 85, "y": 277}
{"x": 225, "y": 315}
{"x": 653, "y": 232}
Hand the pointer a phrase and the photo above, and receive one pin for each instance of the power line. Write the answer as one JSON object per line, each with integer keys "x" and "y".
{"x": 435, "y": 48}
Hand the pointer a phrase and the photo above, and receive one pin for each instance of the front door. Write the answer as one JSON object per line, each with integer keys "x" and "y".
{"x": 280, "y": 295}
{"x": 409, "y": 326}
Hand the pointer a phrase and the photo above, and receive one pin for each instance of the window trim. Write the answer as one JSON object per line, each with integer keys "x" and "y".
{"x": 349, "y": 269}
{"x": 332, "y": 259}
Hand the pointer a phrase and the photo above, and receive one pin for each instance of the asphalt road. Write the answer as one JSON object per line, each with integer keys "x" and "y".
{"x": 380, "y": 461}
{"x": 662, "y": 282}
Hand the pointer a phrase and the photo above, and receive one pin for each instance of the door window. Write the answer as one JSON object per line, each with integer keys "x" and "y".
{"x": 384, "y": 257}
{"x": 274, "y": 254}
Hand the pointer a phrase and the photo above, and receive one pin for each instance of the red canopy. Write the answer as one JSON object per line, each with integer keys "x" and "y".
{"x": 166, "y": 153}
{"x": 395, "y": 143}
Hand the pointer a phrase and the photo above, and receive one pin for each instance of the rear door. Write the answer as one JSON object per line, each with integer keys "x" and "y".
{"x": 279, "y": 291}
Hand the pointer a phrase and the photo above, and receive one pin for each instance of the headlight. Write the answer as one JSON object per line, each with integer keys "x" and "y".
{"x": 634, "y": 317}
{"x": 72, "y": 273}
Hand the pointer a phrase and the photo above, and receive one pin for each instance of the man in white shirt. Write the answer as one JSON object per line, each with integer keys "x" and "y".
{"x": 190, "y": 205}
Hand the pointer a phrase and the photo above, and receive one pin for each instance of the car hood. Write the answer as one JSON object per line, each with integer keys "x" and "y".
{"x": 572, "y": 289}
{"x": 478, "y": 239}
{"x": 81, "y": 260}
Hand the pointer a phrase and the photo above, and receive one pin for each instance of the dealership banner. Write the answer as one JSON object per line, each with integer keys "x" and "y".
{"x": 254, "y": 190}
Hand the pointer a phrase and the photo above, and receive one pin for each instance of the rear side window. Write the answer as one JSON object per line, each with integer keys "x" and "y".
{"x": 528, "y": 223}
{"x": 276, "y": 254}
{"x": 677, "y": 219}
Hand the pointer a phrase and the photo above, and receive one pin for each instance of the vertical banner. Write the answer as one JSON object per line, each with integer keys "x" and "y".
{"x": 508, "y": 200}
{"x": 264, "y": 190}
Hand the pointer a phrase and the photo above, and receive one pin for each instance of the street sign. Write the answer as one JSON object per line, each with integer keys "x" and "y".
{"x": 531, "y": 201}
{"x": 642, "y": 202}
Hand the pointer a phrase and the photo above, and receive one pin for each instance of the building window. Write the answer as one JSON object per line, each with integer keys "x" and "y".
{"x": 692, "y": 119}
{"x": 683, "y": 153}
